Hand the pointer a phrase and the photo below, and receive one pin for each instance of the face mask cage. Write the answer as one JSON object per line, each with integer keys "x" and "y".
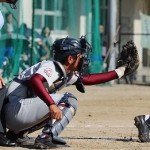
{"x": 69, "y": 46}
{"x": 85, "y": 45}
{"x": 85, "y": 51}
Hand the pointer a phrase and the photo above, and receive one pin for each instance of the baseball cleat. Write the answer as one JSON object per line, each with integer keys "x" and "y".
{"x": 21, "y": 138}
{"x": 143, "y": 129}
{"x": 48, "y": 141}
{"x": 4, "y": 141}
{"x": 44, "y": 143}
{"x": 58, "y": 140}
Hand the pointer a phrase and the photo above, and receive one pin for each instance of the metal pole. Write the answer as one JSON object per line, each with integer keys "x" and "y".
{"x": 32, "y": 42}
{"x": 113, "y": 27}
{"x": 120, "y": 24}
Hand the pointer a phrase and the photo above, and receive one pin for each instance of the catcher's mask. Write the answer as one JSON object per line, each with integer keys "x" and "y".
{"x": 12, "y": 3}
{"x": 64, "y": 47}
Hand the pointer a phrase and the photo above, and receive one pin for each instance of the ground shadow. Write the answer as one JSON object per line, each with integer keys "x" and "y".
{"x": 124, "y": 139}
{"x": 32, "y": 146}
{"x": 107, "y": 139}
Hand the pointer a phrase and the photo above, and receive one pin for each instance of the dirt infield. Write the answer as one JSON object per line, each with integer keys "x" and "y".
{"x": 105, "y": 119}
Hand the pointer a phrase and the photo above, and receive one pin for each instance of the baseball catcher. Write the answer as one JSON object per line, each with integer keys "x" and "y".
{"x": 32, "y": 98}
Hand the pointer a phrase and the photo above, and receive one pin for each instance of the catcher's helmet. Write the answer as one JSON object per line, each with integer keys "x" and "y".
{"x": 65, "y": 47}
{"x": 70, "y": 46}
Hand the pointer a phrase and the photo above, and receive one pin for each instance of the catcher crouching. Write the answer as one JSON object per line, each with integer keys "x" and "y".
{"x": 32, "y": 99}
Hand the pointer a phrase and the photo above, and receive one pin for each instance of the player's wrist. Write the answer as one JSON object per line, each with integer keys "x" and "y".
{"x": 120, "y": 71}
{"x": 49, "y": 104}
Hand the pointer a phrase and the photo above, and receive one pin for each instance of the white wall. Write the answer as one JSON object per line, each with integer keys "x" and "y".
{"x": 27, "y": 12}
{"x": 137, "y": 40}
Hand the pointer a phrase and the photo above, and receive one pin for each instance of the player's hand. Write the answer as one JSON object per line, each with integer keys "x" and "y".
{"x": 1, "y": 83}
{"x": 55, "y": 112}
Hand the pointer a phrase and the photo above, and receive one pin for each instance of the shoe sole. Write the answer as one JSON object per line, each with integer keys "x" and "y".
{"x": 43, "y": 146}
{"x": 25, "y": 142}
{"x": 138, "y": 125}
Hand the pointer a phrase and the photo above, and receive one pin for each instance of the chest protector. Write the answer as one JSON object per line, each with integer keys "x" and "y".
{"x": 61, "y": 81}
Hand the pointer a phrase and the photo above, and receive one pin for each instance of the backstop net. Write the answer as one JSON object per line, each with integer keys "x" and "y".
{"x": 29, "y": 31}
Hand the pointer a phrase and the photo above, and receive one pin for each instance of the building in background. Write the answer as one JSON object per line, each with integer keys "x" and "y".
{"x": 64, "y": 18}
{"x": 93, "y": 18}
{"x": 135, "y": 25}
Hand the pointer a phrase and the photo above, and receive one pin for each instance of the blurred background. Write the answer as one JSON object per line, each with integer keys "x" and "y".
{"x": 30, "y": 30}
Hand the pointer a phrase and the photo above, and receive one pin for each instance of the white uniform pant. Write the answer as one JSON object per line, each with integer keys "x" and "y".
{"x": 23, "y": 113}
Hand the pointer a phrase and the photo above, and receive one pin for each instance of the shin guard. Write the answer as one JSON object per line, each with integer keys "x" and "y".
{"x": 68, "y": 105}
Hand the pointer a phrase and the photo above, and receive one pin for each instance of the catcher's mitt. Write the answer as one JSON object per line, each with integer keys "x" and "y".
{"x": 129, "y": 58}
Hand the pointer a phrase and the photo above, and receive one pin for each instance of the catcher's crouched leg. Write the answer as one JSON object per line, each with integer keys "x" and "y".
{"x": 49, "y": 138}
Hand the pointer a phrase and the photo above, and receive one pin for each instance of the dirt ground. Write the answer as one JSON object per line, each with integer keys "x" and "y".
{"x": 105, "y": 118}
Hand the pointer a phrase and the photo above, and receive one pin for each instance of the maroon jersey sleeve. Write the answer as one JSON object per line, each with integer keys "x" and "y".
{"x": 98, "y": 78}
{"x": 36, "y": 83}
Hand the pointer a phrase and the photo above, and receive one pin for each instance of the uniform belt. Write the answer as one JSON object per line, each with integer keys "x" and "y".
{"x": 20, "y": 81}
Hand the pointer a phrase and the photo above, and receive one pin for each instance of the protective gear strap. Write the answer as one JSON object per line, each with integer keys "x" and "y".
{"x": 62, "y": 78}
{"x": 79, "y": 85}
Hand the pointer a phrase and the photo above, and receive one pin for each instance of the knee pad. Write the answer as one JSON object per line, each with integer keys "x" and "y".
{"x": 69, "y": 100}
